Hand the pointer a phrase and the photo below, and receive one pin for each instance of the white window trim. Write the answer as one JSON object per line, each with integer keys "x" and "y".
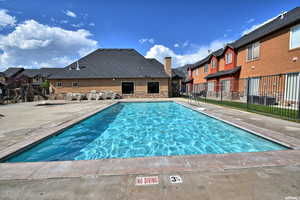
{"x": 253, "y": 52}
{"x": 206, "y": 68}
{"x": 213, "y": 61}
{"x": 61, "y": 84}
{"x": 292, "y": 93}
{"x": 75, "y": 82}
{"x": 226, "y": 60}
{"x": 211, "y": 86}
{"x": 291, "y": 37}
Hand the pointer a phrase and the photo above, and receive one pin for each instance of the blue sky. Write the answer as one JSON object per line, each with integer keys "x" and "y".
{"x": 54, "y": 33}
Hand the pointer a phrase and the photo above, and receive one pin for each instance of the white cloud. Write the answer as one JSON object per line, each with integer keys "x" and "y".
{"x": 185, "y": 44}
{"x": 160, "y": 51}
{"x": 33, "y": 45}
{"x": 64, "y": 21}
{"x": 256, "y": 26}
{"x": 146, "y": 40}
{"x": 70, "y": 13}
{"x": 6, "y": 19}
{"x": 92, "y": 24}
{"x": 250, "y": 20}
{"x": 77, "y": 25}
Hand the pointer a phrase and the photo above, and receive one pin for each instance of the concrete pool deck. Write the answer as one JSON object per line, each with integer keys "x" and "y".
{"x": 26, "y": 122}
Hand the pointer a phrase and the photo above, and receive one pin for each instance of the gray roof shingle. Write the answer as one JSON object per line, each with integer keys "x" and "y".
{"x": 12, "y": 71}
{"x": 177, "y": 73}
{"x": 290, "y": 18}
{"x": 44, "y": 72}
{"x": 181, "y": 72}
{"x": 224, "y": 72}
{"x": 29, "y": 73}
{"x": 216, "y": 53}
{"x": 113, "y": 63}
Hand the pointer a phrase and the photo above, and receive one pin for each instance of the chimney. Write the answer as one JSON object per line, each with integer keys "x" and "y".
{"x": 77, "y": 66}
{"x": 282, "y": 15}
{"x": 168, "y": 66}
{"x": 189, "y": 72}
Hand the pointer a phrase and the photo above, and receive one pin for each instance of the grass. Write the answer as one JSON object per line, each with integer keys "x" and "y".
{"x": 281, "y": 113}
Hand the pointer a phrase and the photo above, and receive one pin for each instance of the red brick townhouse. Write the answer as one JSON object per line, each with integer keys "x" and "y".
{"x": 273, "y": 48}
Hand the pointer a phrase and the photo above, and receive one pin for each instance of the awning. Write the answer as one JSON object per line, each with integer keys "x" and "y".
{"x": 224, "y": 72}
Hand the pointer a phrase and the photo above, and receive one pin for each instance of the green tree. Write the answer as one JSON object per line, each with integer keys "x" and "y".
{"x": 45, "y": 85}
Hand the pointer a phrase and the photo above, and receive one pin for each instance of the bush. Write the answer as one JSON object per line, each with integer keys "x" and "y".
{"x": 45, "y": 85}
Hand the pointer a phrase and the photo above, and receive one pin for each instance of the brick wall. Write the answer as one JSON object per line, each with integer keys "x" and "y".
{"x": 275, "y": 57}
{"x": 222, "y": 63}
{"x": 200, "y": 77}
{"x": 86, "y": 85}
{"x": 212, "y": 70}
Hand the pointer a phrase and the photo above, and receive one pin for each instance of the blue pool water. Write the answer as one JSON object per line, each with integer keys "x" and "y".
{"x": 145, "y": 129}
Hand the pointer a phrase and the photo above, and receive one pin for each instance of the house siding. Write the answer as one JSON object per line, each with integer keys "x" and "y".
{"x": 275, "y": 57}
{"x": 197, "y": 79}
{"x": 231, "y": 65}
{"x": 86, "y": 85}
{"x": 215, "y": 69}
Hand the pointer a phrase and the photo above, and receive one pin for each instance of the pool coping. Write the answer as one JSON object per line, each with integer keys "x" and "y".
{"x": 148, "y": 165}
{"x": 45, "y": 134}
{"x": 273, "y": 136}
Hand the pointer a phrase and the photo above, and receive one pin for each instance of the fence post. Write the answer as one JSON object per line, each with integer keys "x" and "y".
{"x": 298, "y": 96}
{"x": 248, "y": 89}
{"x": 205, "y": 85}
{"x": 221, "y": 90}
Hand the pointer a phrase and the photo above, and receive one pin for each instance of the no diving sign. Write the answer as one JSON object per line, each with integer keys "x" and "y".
{"x": 147, "y": 180}
{"x": 154, "y": 180}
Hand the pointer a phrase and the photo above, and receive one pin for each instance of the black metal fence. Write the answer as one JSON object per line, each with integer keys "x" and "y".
{"x": 274, "y": 95}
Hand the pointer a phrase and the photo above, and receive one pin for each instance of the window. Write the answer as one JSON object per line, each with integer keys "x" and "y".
{"x": 225, "y": 85}
{"x": 213, "y": 63}
{"x": 59, "y": 84}
{"x": 210, "y": 86}
{"x": 205, "y": 68}
{"x": 292, "y": 89}
{"x": 295, "y": 37}
{"x": 228, "y": 58}
{"x": 254, "y": 86}
{"x": 153, "y": 87}
{"x": 75, "y": 84}
{"x": 127, "y": 88}
{"x": 253, "y": 51}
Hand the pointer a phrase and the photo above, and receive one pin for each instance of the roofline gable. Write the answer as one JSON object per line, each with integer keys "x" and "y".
{"x": 235, "y": 45}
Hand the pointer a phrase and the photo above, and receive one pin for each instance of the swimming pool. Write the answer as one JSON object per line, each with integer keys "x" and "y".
{"x": 127, "y": 130}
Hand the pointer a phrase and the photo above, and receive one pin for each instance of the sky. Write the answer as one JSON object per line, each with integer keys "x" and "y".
{"x": 43, "y": 33}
